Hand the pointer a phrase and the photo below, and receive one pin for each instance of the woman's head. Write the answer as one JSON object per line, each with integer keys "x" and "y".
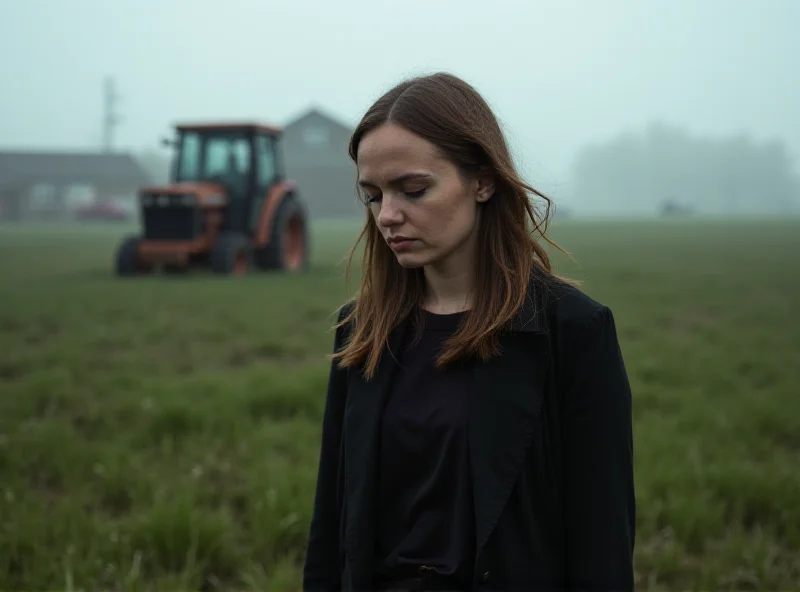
{"x": 434, "y": 167}
{"x": 422, "y": 204}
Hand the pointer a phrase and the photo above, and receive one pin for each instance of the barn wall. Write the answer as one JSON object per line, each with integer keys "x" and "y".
{"x": 329, "y": 192}
{"x": 315, "y": 152}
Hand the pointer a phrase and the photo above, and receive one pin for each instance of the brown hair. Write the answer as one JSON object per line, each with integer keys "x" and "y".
{"x": 452, "y": 115}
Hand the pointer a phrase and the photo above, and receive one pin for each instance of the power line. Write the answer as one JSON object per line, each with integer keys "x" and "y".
{"x": 111, "y": 119}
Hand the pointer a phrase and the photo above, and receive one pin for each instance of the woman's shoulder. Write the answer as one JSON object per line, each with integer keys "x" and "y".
{"x": 568, "y": 309}
{"x": 343, "y": 323}
{"x": 345, "y": 310}
{"x": 571, "y": 301}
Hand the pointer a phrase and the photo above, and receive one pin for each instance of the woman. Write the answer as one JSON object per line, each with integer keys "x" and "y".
{"x": 477, "y": 431}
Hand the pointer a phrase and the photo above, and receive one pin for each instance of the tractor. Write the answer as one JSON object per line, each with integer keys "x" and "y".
{"x": 227, "y": 207}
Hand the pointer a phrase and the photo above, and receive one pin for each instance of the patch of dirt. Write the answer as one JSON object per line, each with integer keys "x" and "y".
{"x": 11, "y": 370}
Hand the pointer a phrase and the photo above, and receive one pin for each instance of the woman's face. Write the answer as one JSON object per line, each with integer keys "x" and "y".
{"x": 425, "y": 209}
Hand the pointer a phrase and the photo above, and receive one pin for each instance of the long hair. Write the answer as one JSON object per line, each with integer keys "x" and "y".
{"x": 452, "y": 115}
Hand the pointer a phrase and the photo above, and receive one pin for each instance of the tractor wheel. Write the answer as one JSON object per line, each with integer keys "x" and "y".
{"x": 231, "y": 254}
{"x": 127, "y": 259}
{"x": 288, "y": 246}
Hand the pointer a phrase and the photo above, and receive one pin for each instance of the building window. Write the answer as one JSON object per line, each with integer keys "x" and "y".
{"x": 316, "y": 136}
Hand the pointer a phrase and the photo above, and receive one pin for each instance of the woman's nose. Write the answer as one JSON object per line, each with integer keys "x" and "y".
{"x": 390, "y": 213}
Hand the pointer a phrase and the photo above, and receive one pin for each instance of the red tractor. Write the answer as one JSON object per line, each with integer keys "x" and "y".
{"x": 228, "y": 207}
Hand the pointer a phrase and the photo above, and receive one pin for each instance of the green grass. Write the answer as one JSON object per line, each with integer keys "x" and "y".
{"x": 163, "y": 432}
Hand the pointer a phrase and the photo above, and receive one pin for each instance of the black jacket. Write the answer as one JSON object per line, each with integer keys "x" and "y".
{"x": 551, "y": 448}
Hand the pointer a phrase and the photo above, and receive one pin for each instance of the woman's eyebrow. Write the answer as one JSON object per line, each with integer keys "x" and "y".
{"x": 397, "y": 180}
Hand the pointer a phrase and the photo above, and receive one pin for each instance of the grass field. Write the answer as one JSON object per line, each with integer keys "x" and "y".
{"x": 159, "y": 433}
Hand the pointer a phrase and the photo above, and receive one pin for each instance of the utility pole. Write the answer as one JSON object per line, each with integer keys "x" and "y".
{"x": 111, "y": 118}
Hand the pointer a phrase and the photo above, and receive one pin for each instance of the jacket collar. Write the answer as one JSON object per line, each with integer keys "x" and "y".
{"x": 531, "y": 316}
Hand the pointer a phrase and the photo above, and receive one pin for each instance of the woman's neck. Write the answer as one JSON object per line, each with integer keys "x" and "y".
{"x": 447, "y": 290}
{"x": 449, "y": 283}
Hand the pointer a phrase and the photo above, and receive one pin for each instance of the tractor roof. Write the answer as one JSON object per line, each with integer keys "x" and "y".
{"x": 230, "y": 126}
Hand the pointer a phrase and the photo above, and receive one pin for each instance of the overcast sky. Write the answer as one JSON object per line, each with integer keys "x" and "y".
{"x": 559, "y": 73}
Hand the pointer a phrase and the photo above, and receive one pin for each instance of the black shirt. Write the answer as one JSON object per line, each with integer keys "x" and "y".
{"x": 425, "y": 491}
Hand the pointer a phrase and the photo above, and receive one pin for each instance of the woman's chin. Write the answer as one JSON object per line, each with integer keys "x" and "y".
{"x": 410, "y": 260}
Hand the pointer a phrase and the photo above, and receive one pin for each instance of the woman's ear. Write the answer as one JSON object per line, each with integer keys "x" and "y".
{"x": 485, "y": 186}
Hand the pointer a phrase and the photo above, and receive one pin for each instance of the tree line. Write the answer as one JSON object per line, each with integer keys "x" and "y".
{"x": 668, "y": 166}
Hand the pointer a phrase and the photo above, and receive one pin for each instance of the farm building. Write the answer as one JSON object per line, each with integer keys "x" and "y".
{"x": 36, "y": 185}
{"x": 40, "y": 184}
{"x": 315, "y": 151}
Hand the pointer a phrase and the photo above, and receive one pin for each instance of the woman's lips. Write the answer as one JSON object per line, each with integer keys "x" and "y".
{"x": 401, "y": 243}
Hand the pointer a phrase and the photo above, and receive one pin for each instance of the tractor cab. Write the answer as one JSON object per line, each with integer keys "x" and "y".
{"x": 227, "y": 204}
{"x": 243, "y": 160}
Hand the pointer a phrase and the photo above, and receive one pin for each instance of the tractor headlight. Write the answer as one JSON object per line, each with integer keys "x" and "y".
{"x": 163, "y": 201}
{"x": 147, "y": 200}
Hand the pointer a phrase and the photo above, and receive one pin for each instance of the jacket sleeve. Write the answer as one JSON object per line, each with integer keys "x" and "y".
{"x": 322, "y": 570}
{"x": 599, "y": 498}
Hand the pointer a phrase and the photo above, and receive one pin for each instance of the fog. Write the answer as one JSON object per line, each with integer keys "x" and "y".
{"x": 572, "y": 81}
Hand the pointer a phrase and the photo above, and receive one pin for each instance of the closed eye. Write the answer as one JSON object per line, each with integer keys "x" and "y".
{"x": 411, "y": 194}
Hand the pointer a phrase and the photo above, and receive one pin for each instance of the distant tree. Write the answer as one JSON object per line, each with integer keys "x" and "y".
{"x": 642, "y": 172}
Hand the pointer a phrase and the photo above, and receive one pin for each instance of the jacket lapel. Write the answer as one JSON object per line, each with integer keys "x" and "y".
{"x": 365, "y": 403}
{"x": 505, "y": 406}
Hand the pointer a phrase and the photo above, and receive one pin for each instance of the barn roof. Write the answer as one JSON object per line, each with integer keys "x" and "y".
{"x": 318, "y": 114}
{"x": 70, "y": 167}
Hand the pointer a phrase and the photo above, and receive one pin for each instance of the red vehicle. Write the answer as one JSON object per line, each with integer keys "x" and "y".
{"x": 103, "y": 210}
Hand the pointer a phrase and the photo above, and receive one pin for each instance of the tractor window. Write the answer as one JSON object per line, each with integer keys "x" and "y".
{"x": 227, "y": 156}
{"x": 266, "y": 160}
{"x": 214, "y": 157}
{"x": 189, "y": 165}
